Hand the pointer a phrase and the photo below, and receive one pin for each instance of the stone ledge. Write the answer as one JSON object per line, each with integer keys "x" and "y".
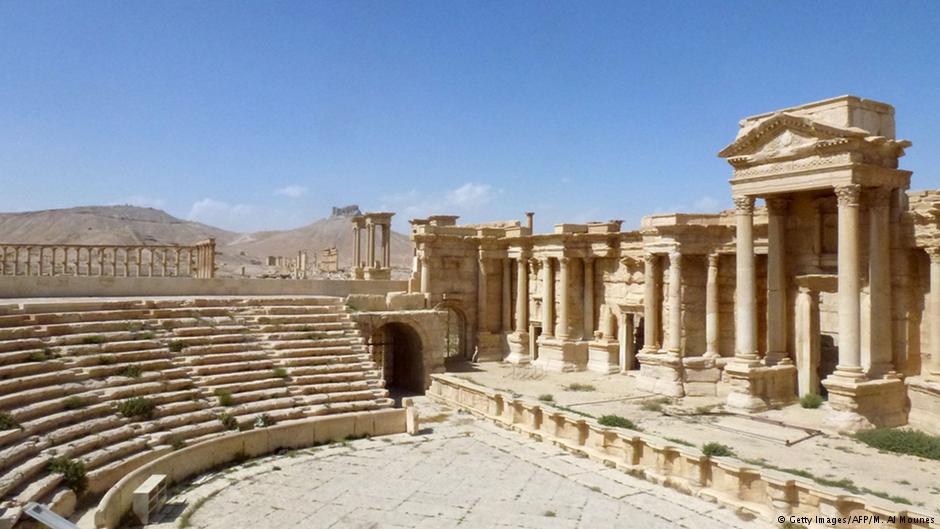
{"x": 744, "y": 488}
{"x": 189, "y": 461}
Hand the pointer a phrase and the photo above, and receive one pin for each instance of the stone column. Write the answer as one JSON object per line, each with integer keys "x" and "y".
{"x": 506, "y": 296}
{"x": 425, "y": 275}
{"x": 386, "y": 245}
{"x": 850, "y": 360}
{"x": 745, "y": 318}
{"x": 626, "y": 342}
{"x": 482, "y": 303}
{"x": 522, "y": 294}
{"x": 934, "y": 314}
{"x": 650, "y": 304}
{"x": 674, "y": 338}
{"x": 807, "y": 341}
{"x": 588, "y": 332}
{"x": 712, "y": 308}
{"x": 548, "y": 297}
{"x": 370, "y": 245}
{"x": 879, "y": 281}
{"x": 357, "y": 257}
{"x": 777, "y": 281}
{"x": 563, "y": 329}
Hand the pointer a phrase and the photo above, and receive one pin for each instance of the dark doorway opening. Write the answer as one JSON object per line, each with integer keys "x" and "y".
{"x": 397, "y": 350}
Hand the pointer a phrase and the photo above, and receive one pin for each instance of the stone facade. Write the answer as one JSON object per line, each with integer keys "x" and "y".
{"x": 824, "y": 277}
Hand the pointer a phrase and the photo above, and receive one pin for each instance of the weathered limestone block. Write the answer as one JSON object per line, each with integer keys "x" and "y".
{"x": 925, "y": 404}
{"x": 660, "y": 373}
{"x": 561, "y": 355}
{"x": 366, "y": 302}
{"x": 604, "y": 356}
{"x": 405, "y": 301}
{"x": 857, "y": 405}
{"x": 701, "y": 376}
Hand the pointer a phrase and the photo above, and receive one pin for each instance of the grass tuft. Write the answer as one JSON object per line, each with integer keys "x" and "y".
{"x": 73, "y": 473}
{"x": 279, "y": 372}
{"x": 616, "y": 421}
{"x": 139, "y": 408}
{"x": 8, "y": 422}
{"x": 91, "y": 340}
{"x": 229, "y": 422}
{"x": 580, "y": 387}
{"x": 224, "y": 396}
{"x": 74, "y": 403}
{"x": 811, "y": 401}
{"x": 547, "y": 397}
{"x": 716, "y": 450}
{"x": 176, "y": 346}
{"x": 910, "y": 442}
{"x": 130, "y": 371}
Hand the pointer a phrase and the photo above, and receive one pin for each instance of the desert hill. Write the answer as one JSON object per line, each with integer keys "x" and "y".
{"x": 136, "y": 225}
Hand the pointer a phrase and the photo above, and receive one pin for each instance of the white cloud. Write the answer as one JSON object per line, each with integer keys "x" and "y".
{"x": 706, "y": 204}
{"x": 470, "y": 195}
{"x": 292, "y": 191}
{"x": 224, "y": 215}
{"x": 140, "y": 201}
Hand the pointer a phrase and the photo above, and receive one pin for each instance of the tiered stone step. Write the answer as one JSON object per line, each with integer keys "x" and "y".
{"x": 66, "y": 367}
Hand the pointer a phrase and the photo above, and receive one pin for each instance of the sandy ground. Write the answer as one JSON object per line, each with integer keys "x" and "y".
{"x": 790, "y": 438}
{"x": 460, "y": 472}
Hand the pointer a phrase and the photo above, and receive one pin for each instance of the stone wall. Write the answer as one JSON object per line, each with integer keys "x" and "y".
{"x": 747, "y": 489}
{"x": 67, "y": 286}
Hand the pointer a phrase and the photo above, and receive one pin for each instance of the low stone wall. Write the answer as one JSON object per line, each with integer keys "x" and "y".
{"x": 71, "y": 286}
{"x": 207, "y": 455}
{"x": 757, "y": 491}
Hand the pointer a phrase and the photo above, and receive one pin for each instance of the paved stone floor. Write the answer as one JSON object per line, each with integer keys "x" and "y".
{"x": 460, "y": 473}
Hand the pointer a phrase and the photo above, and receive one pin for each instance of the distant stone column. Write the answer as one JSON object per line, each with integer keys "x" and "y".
{"x": 588, "y": 332}
{"x": 425, "y": 275}
{"x": 934, "y": 314}
{"x": 879, "y": 280}
{"x": 482, "y": 297}
{"x": 651, "y": 304}
{"x": 548, "y": 297}
{"x": 386, "y": 240}
{"x": 712, "y": 308}
{"x": 745, "y": 300}
{"x": 357, "y": 238}
{"x": 370, "y": 244}
{"x": 777, "y": 281}
{"x": 506, "y": 296}
{"x": 850, "y": 355}
{"x": 522, "y": 294}
{"x": 674, "y": 342}
{"x": 564, "y": 325}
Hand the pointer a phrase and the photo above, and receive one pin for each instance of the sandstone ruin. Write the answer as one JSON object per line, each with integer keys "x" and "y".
{"x": 143, "y": 365}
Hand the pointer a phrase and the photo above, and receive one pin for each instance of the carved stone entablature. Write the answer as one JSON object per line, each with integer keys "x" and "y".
{"x": 792, "y": 166}
{"x": 784, "y": 136}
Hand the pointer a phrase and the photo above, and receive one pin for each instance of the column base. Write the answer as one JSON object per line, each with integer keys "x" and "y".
{"x": 378, "y": 273}
{"x": 924, "y": 394}
{"x": 660, "y": 373}
{"x": 518, "y": 348}
{"x": 701, "y": 376}
{"x": 604, "y": 356}
{"x": 561, "y": 355}
{"x": 857, "y": 404}
{"x": 757, "y": 388}
{"x": 489, "y": 347}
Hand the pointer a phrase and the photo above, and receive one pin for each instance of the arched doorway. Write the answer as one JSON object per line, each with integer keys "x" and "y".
{"x": 397, "y": 350}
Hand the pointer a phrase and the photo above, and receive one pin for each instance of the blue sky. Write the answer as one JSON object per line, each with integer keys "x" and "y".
{"x": 262, "y": 115}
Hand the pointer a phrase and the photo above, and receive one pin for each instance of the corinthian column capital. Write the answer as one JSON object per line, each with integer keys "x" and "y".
{"x": 934, "y": 254}
{"x": 848, "y": 195}
{"x": 744, "y": 204}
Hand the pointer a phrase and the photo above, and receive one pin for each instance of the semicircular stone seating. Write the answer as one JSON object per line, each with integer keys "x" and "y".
{"x": 117, "y": 383}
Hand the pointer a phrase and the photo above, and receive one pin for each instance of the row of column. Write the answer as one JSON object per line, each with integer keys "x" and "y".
{"x": 652, "y": 284}
{"x": 199, "y": 261}
{"x": 386, "y": 246}
{"x": 551, "y": 326}
{"x": 934, "y": 312}
{"x": 849, "y": 282}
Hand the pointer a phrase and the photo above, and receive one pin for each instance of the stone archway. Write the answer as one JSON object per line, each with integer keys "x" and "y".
{"x": 397, "y": 350}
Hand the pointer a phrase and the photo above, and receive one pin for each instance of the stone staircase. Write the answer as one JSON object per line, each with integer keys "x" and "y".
{"x": 68, "y": 367}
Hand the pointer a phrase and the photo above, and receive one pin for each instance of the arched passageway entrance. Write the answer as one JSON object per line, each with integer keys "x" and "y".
{"x": 397, "y": 350}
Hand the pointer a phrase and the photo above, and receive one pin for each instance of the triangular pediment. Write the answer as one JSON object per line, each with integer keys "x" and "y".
{"x": 784, "y": 135}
